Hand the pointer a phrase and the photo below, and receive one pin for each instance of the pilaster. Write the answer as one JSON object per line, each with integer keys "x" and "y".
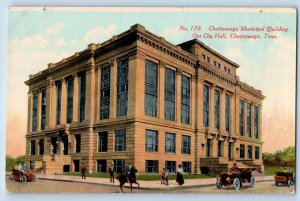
{"x": 75, "y": 99}
{"x": 113, "y": 89}
{"x": 63, "y": 116}
{"x": 161, "y": 90}
{"x": 178, "y": 96}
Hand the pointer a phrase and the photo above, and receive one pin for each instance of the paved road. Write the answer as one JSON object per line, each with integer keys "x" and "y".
{"x": 61, "y": 186}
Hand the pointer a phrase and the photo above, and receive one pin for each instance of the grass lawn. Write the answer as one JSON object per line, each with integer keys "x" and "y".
{"x": 144, "y": 177}
{"x": 272, "y": 170}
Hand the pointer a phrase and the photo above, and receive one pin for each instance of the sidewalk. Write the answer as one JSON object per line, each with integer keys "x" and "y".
{"x": 154, "y": 185}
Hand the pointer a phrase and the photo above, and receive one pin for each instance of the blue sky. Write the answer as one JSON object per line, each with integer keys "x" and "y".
{"x": 36, "y": 38}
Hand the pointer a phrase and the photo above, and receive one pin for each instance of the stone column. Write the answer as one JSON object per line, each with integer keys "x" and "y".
{"x": 225, "y": 149}
{"x": 222, "y": 111}
{"x": 140, "y": 86}
{"x": 232, "y": 115}
{"x": 260, "y": 122}
{"x": 63, "y": 114}
{"x": 214, "y": 150}
{"x": 178, "y": 96}
{"x": 98, "y": 95}
{"x": 193, "y": 102}
{"x": 52, "y": 104}
{"x": 29, "y": 114}
{"x": 161, "y": 90}
{"x": 212, "y": 108}
{"x": 75, "y": 99}
{"x": 252, "y": 120}
{"x": 245, "y": 118}
{"x": 39, "y": 111}
{"x": 113, "y": 89}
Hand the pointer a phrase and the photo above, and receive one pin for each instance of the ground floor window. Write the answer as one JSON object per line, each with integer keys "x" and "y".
{"x": 187, "y": 166}
{"x": 171, "y": 166}
{"x": 76, "y": 165}
{"x": 32, "y": 147}
{"x": 242, "y": 151}
{"x": 101, "y": 165}
{"x": 31, "y": 165}
{"x": 119, "y": 165}
{"x": 208, "y": 147}
{"x": 249, "y": 152}
{"x": 53, "y": 145}
{"x": 230, "y": 151}
{"x": 257, "y": 153}
{"x": 220, "y": 148}
{"x": 41, "y": 145}
{"x": 151, "y": 166}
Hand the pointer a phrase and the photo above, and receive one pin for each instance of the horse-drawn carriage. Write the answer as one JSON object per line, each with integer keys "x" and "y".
{"x": 23, "y": 176}
{"x": 284, "y": 178}
{"x": 236, "y": 178}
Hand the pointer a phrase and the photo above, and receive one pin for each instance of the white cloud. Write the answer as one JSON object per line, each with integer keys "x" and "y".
{"x": 171, "y": 32}
{"x": 97, "y": 34}
{"x": 54, "y": 29}
{"x": 35, "y": 39}
{"x": 60, "y": 42}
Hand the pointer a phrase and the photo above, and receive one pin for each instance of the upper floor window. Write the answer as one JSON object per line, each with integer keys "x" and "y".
{"x": 105, "y": 92}
{"x": 151, "y": 89}
{"x": 206, "y": 105}
{"x": 32, "y": 147}
{"x": 216, "y": 64}
{"x": 186, "y": 145}
{"x": 206, "y": 58}
{"x": 242, "y": 151}
{"x": 241, "y": 117}
{"x": 43, "y": 109}
{"x": 217, "y": 109}
{"x": 58, "y": 101}
{"x": 249, "y": 117}
{"x": 169, "y": 94}
{"x": 151, "y": 141}
{"x": 122, "y": 88}
{"x": 34, "y": 110}
{"x": 256, "y": 121}
{"x": 70, "y": 89}
{"x": 185, "y": 100}
{"x": 77, "y": 143}
{"x": 227, "y": 112}
{"x": 41, "y": 146}
{"x": 82, "y": 87}
{"x": 249, "y": 152}
{"x": 120, "y": 140}
{"x": 170, "y": 143}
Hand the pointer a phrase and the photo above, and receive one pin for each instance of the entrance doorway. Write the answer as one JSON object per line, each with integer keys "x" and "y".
{"x": 76, "y": 165}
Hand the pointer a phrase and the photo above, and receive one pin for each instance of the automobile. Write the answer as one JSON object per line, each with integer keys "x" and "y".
{"x": 286, "y": 178}
{"x": 23, "y": 176}
{"x": 236, "y": 178}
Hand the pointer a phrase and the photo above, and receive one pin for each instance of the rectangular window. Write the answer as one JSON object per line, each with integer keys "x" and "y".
{"x": 241, "y": 117}
{"x": 217, "y": 109}
{"x": 185, "y": 100}
{"x": 43, "y": 109}
{"x": 208, "y": 148}
{"x": 256, "y": 153}
{"x": 31, "y": 165}
{"x": 151, "y": 166}
{"x": 186, "y": 144}
{"x": 256, "y": 121}
{"x": 119, "y": 165}
{"x": 249, "y": 152}
{"x": 249, "y": 119}
{"x": 102, "y": 141}
{"x": 151, "y": 141}
{"x": 32, "y": 147}
{"x": 171, "y": 166}
{"x": 151, "y": 89}
{"x": 53, "y": 145}
{"x": 169, "y": 94}
{"x": 215, "y": 63}
{"x": 242, "y": 151}
{"x": 70, "y": 89}
{"x": 34, "y": 110}
{"x": 208, "y": 59}
{"x": 206, "y": 105}
{"x": 82, "y": 93}
{"x": 230, "y": 151}
{"x": 120, "y": 140}
{"x": 101, "y": 166}
{"x": 78, "y": 143}
{"x": 219, "y": 65}
{"x": 58, "y": 101}
{"x": 186, "y": 166}
{"x": 122, "y": 88}
{"x": 220, "y": 149}
{"x": 227, "y": 112}
{"x": 170, "y": 143}
{"x": 41, "y": 145}
{"x": 105, "y": 92}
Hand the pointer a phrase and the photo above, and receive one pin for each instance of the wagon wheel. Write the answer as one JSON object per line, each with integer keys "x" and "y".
{"x": 23, "y": 179}
{"x": 252, "y": 182}
{"x": 236, "y": 184}
{"x": 219, "y": 184}
{"x": 276, "y": 183}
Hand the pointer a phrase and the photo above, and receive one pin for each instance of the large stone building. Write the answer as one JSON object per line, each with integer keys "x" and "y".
{"x": 139, "y": 99}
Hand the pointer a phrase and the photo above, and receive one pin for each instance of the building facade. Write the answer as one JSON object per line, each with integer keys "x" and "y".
{"x": 139, "y": 99}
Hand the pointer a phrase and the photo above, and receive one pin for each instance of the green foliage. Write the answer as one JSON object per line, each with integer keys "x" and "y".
{"x": 283, "y": 157}
{"x": 269, "y": 171}
{"x": 11, "y": 162}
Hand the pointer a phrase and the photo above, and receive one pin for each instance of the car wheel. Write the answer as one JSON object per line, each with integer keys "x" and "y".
{"x": 252, "y": 182}
{"x": 23, "y": 179}
{"x": 276, "y": 183}
{"x": 219, "y": 184}
{"x": 236, "y": 184}
{"x": 290, "y": 182}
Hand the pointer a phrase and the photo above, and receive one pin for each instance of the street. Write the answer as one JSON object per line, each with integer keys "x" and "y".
{"x": 48, "y": 186}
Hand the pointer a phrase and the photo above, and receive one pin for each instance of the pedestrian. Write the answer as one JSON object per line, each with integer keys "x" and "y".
{"x": 132, "y": 177}
{"x": 179, "y": 175}
{"x": 83, "y": 170}
{"x": 111, "y": 174}
{"x": 162, "y": 176}
{"x": 167, "y": 178}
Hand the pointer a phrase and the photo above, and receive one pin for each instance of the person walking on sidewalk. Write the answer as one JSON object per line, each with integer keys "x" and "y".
{"x": 162, "y": 176}
{"x": 179, "y": 175}
{"x": 83, "y": 171}
{"x": 167, "y": 178}
{"x": 111, "y": 174}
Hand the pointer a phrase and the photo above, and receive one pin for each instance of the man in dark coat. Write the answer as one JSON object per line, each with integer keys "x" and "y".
{"x": 83, "y": 171}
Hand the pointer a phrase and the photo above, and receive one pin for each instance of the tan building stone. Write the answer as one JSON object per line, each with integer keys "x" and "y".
{"x": 103, "y": 135}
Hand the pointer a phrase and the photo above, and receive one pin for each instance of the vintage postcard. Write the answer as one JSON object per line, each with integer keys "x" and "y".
{"x": 151, "y": 100}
